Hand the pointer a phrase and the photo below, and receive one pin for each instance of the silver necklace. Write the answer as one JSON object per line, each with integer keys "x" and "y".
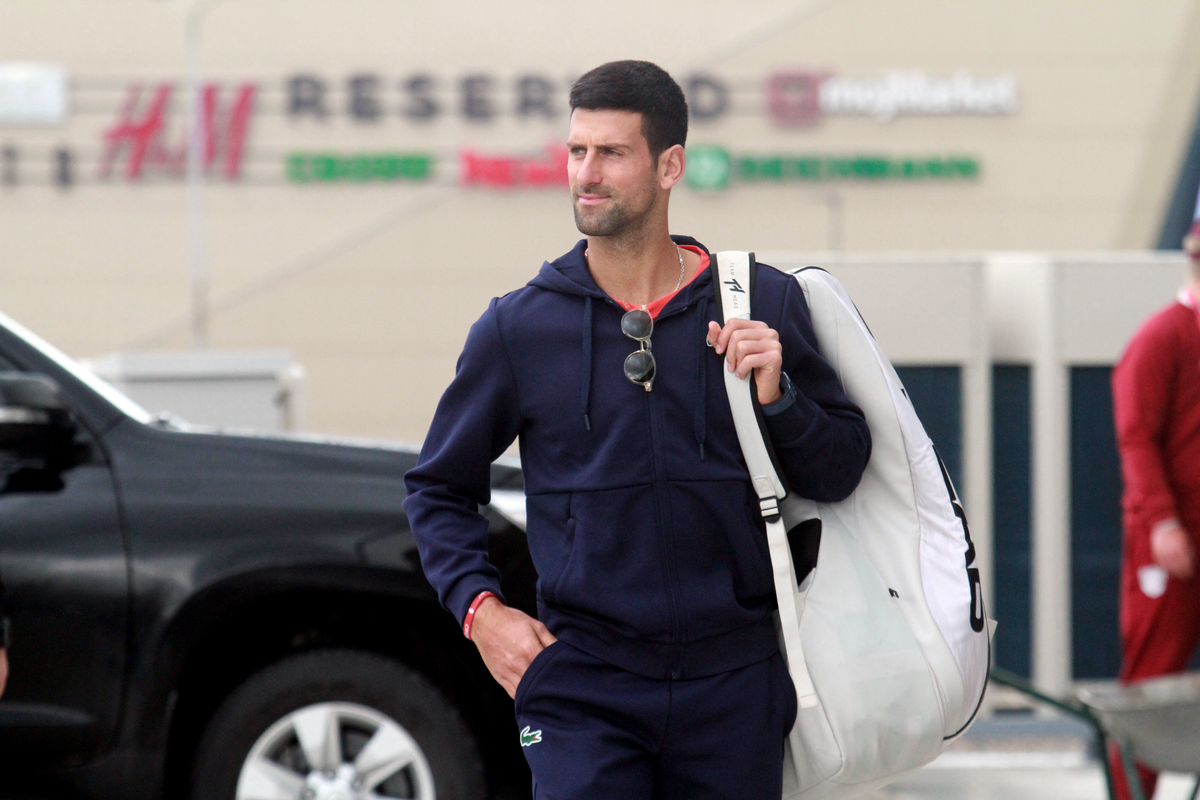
{"x": 678, "y": 253}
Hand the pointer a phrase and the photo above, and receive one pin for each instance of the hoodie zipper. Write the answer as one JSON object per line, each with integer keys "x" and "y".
{"x": 666, "y": 528}
{"x": 666, "y": 538}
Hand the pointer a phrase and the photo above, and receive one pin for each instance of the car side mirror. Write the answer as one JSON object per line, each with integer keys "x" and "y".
{"x": 35, "y": 422}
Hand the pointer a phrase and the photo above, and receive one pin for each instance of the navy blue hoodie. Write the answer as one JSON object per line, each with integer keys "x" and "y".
{"x": 642, "y": 524}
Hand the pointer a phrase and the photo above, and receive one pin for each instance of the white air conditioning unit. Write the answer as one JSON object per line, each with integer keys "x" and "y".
{"x": 251, "y": 390}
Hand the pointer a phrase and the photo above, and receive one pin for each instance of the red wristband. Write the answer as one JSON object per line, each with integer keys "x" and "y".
{"x": 470, "y": 617}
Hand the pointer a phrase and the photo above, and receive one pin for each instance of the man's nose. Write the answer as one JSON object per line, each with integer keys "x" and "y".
{"x": 587, "y": 174}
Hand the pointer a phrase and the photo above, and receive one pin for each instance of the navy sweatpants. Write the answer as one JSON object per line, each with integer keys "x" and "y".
{"x": 592, "y": 731}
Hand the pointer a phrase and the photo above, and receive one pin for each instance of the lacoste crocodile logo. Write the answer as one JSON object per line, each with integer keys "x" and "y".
{"x": 530, "y": 737}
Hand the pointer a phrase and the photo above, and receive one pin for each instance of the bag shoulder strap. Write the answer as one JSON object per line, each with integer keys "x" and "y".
{"x": 733, "y": 276}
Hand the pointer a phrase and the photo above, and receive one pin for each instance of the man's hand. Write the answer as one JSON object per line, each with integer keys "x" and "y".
{"x": 750, "y": 345}
{"x": 508, "y": 640}
{"x": 1172, "y": 549}
{"x": 3, "y": 669}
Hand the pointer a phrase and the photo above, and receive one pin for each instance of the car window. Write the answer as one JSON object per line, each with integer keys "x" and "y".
{"x": 83, "y": 375}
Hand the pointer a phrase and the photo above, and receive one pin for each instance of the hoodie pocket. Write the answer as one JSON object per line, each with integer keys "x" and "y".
{"x": 723, "y": 561}
{"x": 614, "y": 569}
{"x": 551, "y": 536}
{"x": 550, "y": 586}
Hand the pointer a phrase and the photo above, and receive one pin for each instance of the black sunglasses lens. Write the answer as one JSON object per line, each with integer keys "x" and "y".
{"x": 637, "y": 324}
{"x": 639, "y": 366}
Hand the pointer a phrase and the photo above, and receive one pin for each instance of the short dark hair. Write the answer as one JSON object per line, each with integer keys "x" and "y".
{"x": 637, "y": 86}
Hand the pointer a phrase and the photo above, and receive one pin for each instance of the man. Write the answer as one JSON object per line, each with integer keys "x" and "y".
{"x": 654, "y": 670}
{"x": 1156, "y": 400}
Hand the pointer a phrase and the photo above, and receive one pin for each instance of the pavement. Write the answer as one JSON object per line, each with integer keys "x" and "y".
{"x": 1084, "y": 783}
{"x": 1006, "y": 755}
{"x": 1021, "y": 756}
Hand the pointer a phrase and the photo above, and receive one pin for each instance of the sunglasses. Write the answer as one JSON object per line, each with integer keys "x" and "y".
{"x": 638, "y": 325}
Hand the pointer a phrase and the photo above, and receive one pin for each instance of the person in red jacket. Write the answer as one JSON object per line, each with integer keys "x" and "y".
{"x": 1156, "y": 402}
{"x": 3, "y": 643}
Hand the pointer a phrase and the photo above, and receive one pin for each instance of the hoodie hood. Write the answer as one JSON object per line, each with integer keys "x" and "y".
{"x": 569, "y": 274}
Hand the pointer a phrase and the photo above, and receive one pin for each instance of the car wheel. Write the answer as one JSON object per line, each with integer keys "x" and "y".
{"x": 337, "y": 725}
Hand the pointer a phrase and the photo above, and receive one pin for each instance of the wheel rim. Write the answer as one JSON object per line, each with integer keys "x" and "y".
{"x": 335, "y": 751}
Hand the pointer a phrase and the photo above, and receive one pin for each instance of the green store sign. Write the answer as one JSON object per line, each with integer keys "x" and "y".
{"x": 712, "y": 167}
{"x": 358, "y": 167}
{"x": 708, "y": 167}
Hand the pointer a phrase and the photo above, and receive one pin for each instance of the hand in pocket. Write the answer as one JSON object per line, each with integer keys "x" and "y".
{"x": 508, "y": 640}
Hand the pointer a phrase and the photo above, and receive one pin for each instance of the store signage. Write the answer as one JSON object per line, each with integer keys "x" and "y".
{"x": 802, "y": 98}
{"x": 708, "y": 167}
{"x": 33, "y": 94}
{"x": 509, "y": 172}
{"x": 713, "y": 167}
{"x": 548, "y": 170}
{"x": 369, "y": 97}
{"x": 149, "y": 136}
{"x": 385, "y": 167}
{"x": 793, "y": 97}
{"x": 141, "y": 137}
{"x": 62, "y": 166}
{"x": 478, "y": 97}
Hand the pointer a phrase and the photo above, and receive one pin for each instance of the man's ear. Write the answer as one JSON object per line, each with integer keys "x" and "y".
{"x": 671, "y": 163}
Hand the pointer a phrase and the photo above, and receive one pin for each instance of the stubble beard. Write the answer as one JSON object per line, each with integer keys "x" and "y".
{"x": 617, "y": 219}
{"x": 601, "y": 223}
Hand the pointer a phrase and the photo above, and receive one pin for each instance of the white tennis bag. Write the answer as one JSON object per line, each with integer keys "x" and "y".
{"x": 885, "y": 638}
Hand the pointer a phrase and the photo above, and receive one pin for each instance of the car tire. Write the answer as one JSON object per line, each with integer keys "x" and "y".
{"x": 331, "y": 723}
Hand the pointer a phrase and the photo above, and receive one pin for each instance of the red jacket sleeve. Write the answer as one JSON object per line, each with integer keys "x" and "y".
{"x": 1143, "y": 384}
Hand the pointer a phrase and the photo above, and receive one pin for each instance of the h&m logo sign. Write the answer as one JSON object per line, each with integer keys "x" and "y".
{"x": 142, "y": 137}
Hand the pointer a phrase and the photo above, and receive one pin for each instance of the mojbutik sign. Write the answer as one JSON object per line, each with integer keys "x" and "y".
{"x": 803, "y": 97}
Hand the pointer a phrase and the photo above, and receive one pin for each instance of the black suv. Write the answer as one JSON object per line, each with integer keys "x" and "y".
{"x": 203, "y": 615}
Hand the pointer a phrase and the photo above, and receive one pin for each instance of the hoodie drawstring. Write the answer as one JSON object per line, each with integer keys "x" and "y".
{"x": 585, "y": 392}
{"x": 698, "y": 411}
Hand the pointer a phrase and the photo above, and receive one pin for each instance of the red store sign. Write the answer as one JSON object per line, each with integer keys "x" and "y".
{"x": 509, "y": 172}
{"x": 140, "y": 133}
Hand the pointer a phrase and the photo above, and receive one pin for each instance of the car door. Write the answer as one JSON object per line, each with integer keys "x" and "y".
{"x": 63, "y": 562}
